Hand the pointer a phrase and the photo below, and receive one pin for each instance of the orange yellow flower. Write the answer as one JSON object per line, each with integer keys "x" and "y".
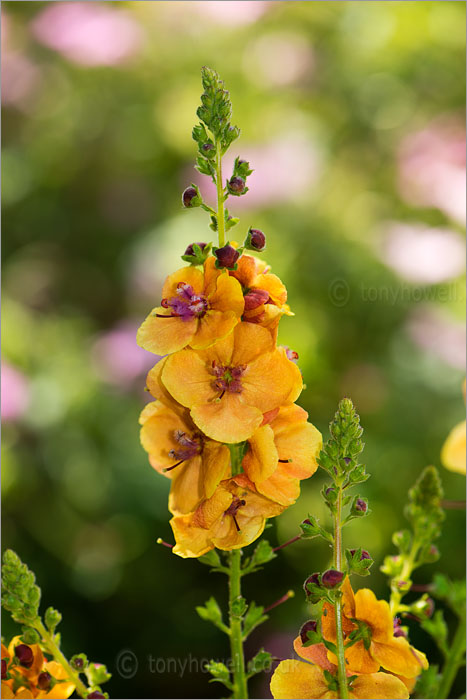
{"x": 178, "y": 450}
{"x": 25, "y": 678}
{"x": 229, "y": 386}
{"x": 198, "y": 308}
{"x": 281, "y": 452}
{"x": 384, "y": 650}
{"x": 295, "y": 679}
{"x": 233, "y": 517}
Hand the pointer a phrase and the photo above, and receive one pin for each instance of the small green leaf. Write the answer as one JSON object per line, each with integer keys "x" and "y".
{"x": 239, "y": 607}
{"x": 262, "y": 661}
{"x": 253, "y": 618}
{"x": 220, "y": 673}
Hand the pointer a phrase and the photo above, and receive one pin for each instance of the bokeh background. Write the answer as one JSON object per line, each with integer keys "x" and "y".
{"x": 352, "y": 115}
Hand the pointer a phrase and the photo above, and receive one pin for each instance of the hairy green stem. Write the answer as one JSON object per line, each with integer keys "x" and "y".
{"x": 454, "y": 660}
{"x": 220, "y": 197}
{"x": 59, "y": 657}
{"x": 240, "y": 689}
{"x": 341, "y": 666}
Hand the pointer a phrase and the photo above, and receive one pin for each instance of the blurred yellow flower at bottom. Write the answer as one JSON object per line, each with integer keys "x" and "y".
{"x": 295, "y": 679}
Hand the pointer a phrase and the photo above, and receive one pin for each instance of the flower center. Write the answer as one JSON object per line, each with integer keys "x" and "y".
{"x": 189, "y": 448}
{"x": 186, "y": 305}
{"x": 233, "y": 508}
{"x": 227, "y": 378}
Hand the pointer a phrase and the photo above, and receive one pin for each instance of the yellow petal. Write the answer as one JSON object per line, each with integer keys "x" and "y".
{"x": 280, "y": 487}
{"x": 261, "y": 459}
{"x": 165, "y": 335}
{"x": 7, "y": 692}
{"x": 157, "y": 388}
{"x": 398, "y": 657}
{"x": 251, "y": 342}
{"x": 212, "y": 509}
{"x": 213, "y": 326}
{"x": 453, "y": 452}
{"x": 246, "y": 271}
{"x": 376, "y": 613}
{"x": 159, "y": 425}
{"x": 187, "y": 488}
{"x": 185, "y": 275}
{"x": 228, "y": 295}
{"x": 190, "y": 541}
{"x": 294, "y": 679}
{"x": 271, "y": 380}
{"x": 227, "y": 537}
{"x": 297, "y": 441}
{"x": 379, "y": 685}
{"x": 215, "y": 467}
{"x": 228, "y": 420}
{"x": 315, "y": 653}
{"x": 186, "y": 377}
{"x": 272, "y": 284}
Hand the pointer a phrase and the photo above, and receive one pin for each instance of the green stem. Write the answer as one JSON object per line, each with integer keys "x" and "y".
{"x": 59, "y": 657}
{"x": 341, "y": 666}
{"x": 454, "y": 660}
{"x": 220, "y": 197}
{"x": 240, "y": 689}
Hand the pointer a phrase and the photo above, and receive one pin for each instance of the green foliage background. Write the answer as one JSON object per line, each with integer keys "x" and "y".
{"x": 94, "y": 162}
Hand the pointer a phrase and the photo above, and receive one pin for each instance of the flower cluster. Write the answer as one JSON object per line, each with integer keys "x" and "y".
{"x": 224, "y": 426}
{"x": 380, "y": 662}
{"x": 27, "y": 673}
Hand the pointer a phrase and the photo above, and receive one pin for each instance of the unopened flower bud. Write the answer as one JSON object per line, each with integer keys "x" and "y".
{"x": 313, "y": 579}
{"x": 190, "y": 251}
{"x": 24, "y": 655}
{"x": 332, "y": 578}
{"x": 44, "y": 680}
{"x": 236, "y": 184}
{"x": 227, "y": 256}
{"x": 4, "y": 669}
{"x": 190, "y": 199}
{"x": 256, "y": 240}
{"x": 96, "y": 694}
{"x": 310, "y": 626}
{"x": 364, "y": 555}
{"x": 255, "y": 298}
{"x": 208, "y": 149}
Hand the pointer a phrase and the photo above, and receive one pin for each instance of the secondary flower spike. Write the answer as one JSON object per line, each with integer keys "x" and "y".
{"x": 197, "y": 308}
{"x": 229, "y": 386}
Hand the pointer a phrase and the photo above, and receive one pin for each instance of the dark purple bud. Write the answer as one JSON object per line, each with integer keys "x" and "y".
{"x": 96, "y": 694}
{"x": 188, "y": 197}
{"x": 310, "y": 626}
{"x": 207, "y": 147}
{"x": 4, "y": 669}
{"x": 256, "y": 239}
{"x": 347, "y": 460}
{"x": 24, "y": 655}
{"x": 332, "y": 578}
{"x": 361, "y": 505}
{"x": 365, "y": 554}
{"x": 78, "y": 663}
{"x": 314, "y": 579}
{"x": 236, "y": 184}
{"x": 227, "y": 256}
{"x": 44, "y": 681}
{"x": 190, "y": 251}
{"x": 256, "y": 298}
{"x": 241, "y": 161}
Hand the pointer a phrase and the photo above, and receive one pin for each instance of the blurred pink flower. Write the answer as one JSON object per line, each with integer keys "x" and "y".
{"x": 439, "y": 334}
{"x": 15, "y": 393}
{"x": 233, "y": 12}
{"x": 88, "y": 33}
{"x": 284, "y": 170}
{"x": 19, "y": 78}
{"x": 432, "y": 168}
{"x": 422, "y": 254}
{"x": 279, "y": 58}
{"x": 118, "y": 359}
